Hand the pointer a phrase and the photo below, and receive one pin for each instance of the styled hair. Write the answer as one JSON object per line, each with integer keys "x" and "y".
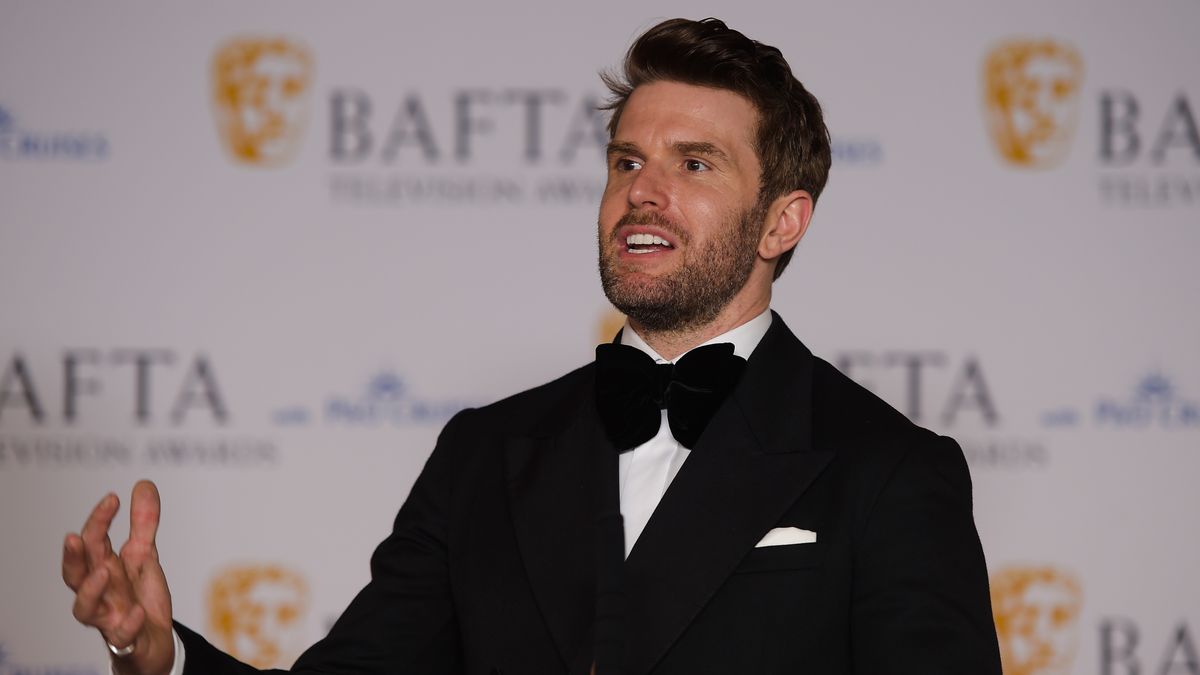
{"x": 791, "y": 140}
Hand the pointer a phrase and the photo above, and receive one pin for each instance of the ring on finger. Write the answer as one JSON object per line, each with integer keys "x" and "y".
{"x": 120, "y": 651}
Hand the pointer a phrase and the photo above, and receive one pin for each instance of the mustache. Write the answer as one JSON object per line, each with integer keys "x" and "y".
{"x": 651, "y": 218}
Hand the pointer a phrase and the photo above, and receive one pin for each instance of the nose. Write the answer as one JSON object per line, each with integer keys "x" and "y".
{"x": 648, "y": 189}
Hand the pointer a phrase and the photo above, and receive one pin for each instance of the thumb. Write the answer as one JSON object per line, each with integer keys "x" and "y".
{"x": 144, "y": 513}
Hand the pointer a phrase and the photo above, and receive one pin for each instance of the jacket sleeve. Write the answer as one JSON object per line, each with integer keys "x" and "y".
{"x": 403, "y": 620}
{"x": 920, "y": 594}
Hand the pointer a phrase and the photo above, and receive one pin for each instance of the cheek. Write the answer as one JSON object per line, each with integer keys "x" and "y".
{"x": 612, "y": 207}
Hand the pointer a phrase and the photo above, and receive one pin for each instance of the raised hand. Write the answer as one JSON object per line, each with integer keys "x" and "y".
{"x": 124, "y": 596}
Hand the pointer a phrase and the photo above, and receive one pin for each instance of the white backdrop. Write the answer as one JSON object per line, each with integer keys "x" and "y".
{"x": 277, "y": 346}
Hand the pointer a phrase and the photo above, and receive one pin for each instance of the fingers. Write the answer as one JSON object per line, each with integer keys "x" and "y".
{"x": 96, "y": 544}
{"x": 104, "y": 590}
{"x": 74, "y": 565}
{"x": 126, "y": 631}
{"x": 144, "y": 509}
{"x": 88, "y": 596}
{"x": 119, "y": 628}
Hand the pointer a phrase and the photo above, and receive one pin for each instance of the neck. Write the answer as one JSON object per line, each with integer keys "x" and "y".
{"x": 671, "y": 343}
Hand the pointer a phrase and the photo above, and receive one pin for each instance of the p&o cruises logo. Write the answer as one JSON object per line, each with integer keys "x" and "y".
{"x": 1031, "y": 100}
{"x": 260, "y": 90}
{"x": 385, "y": 400}
{"x": 19, "y": 143}
{"x": 1154, "y": 403}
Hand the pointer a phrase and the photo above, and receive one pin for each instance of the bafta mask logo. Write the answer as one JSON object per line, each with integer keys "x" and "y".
{"x": 260, "y": 98}
{"x": 255, "y": 613}
{"x": 608, "y": 324}
{"x": 1036, "y": 610}
{"x": 1031, "y": 92}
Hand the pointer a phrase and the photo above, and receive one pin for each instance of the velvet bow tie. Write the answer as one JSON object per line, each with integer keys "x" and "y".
{"x": 631, "y": 390}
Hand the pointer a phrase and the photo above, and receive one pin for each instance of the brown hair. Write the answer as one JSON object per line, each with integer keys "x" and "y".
{"x": 791, "y": 140}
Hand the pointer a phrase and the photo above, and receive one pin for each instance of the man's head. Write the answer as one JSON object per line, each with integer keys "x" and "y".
{"x": 720, "y": 152}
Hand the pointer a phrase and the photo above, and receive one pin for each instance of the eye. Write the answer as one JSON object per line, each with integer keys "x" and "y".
{"x": 627, "y": 164}
{"x": 695, "y": 165}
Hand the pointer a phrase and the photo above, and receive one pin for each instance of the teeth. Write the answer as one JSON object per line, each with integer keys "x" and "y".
{"x": 646, "y": 240}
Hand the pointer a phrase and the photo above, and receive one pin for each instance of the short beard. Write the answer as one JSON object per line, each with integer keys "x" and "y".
{"x": 695, "y": 294}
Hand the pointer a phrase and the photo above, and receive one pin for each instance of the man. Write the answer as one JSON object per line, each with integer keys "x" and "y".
{"x": 774, "y": 516}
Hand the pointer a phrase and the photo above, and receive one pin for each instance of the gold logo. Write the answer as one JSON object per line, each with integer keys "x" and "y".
{"x": 255, "y": 613}
{"x": 1036, "y": 609}
{"x": 607, "y": 326}
{"x": 260, "y": 98}
{"x": 1030, "y": 94}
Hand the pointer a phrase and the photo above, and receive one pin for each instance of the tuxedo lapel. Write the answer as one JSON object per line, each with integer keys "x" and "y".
{"x": 556, "y": 485}
{"x": 752, "y": 462}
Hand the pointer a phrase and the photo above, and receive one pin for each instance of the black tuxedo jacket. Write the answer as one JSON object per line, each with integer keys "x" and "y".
{"x": 492, "y": 564}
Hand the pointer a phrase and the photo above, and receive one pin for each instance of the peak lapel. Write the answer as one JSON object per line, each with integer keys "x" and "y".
{"x": 754, "y": 460}
{"x": 555, "y": 487}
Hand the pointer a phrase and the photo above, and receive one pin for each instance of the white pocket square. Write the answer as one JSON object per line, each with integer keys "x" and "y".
{"x": 783, "y": 536}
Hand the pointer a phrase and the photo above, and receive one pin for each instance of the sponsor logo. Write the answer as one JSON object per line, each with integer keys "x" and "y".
{"x": 90, "y": 407}
{"x": 610, "y": 322}
{"x": 256, "y": 613}
{"x": 1037, "y": 612}
{"x": 450, "y": 144}
{"x": 1031, "y": 100}
{"x": 950, "y": 393}
{"x": 260, "y": 89}
{"x": 856, "y": 151}
{"x": 17, "y": 143}
{"x": 385, "y": 400}
{"x": 7, "y": 667}
{"x": 1153, "y": 403}
{"x": 1148, "y": 148}
{"x": 1038, "y": 607}
{"x": 466, "y": 145}
{"x": 1123, "y": 650}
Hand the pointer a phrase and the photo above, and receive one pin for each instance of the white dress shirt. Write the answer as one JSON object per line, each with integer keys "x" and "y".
{"x": 645, "y": 471}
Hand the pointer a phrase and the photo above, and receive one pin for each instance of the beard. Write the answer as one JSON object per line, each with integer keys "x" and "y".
{"x": 699, "y": 289}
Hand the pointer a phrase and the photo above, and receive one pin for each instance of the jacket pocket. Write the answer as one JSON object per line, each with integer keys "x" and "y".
{"x": 788, "y": 557}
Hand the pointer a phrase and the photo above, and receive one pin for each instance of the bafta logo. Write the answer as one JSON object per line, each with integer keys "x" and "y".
{"x": 255, "y": 613}
{"x": 610, "y": 322}
{"x": 260, "y": 98}
{"x": 1036, "y": 609}
{"x": 1030, "y": 92}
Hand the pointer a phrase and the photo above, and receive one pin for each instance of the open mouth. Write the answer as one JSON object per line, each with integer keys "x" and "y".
{"x": 646, "y": 243}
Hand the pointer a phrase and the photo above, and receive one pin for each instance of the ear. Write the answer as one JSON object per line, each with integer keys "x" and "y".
{"x": 787, "y": 221}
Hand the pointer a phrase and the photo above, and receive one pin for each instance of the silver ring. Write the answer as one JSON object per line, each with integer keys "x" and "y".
{"x": 123, "y": 651}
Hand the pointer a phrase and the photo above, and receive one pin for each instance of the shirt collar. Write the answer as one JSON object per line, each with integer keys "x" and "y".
{"x": 744, "y": 338}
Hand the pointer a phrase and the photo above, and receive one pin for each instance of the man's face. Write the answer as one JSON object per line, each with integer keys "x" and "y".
{"x": 679, "y": 227}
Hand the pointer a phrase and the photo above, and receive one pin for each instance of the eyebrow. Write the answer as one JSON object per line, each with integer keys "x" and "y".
{"x": 702, "y": 148}
{"x": 621, "y": 148}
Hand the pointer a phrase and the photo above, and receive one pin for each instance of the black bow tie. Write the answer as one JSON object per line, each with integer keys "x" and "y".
{"x": 631, "y": 390}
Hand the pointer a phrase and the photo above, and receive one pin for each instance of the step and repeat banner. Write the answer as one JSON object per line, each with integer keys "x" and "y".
{"x": 261, "y": 252}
